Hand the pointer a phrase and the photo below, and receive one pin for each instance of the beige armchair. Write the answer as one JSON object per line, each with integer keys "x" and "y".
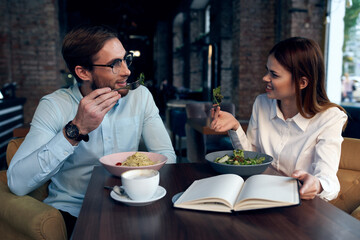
{"x": 348, "y": 199}
{"x": 27, "y": 217}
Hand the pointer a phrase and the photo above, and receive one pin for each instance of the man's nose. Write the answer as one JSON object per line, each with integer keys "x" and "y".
{"x": 125, "y": 69}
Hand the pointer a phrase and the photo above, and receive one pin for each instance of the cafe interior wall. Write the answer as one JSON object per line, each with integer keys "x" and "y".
{"x": 29, "y": 49}
{"x": 241, "y": 34}
{"x": 31, "y": 34}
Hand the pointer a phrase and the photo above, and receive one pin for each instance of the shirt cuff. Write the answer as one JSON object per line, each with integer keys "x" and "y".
{"x": 237, "y": 137}
{"x": 234, "y": 138}
{"x": 328, "y": 193}
{"x": 51, "y": 156}
{"x": 59, "y": 148}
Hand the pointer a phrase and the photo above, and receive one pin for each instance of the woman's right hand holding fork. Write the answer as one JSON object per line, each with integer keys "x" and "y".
{"x": 223, "y": 121}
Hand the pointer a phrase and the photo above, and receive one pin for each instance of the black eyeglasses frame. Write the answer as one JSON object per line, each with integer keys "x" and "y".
{"x": 116, "y": 61}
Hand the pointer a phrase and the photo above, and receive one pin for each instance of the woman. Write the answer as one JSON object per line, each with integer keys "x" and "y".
{"x": 347, "y": 88}
{"x": 294, "y": 121}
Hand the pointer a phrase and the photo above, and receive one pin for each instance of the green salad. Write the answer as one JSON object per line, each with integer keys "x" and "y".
{"x": 217, "y": 97}
{"x": 141, "y": 79}
{"x": 239, "y": 159}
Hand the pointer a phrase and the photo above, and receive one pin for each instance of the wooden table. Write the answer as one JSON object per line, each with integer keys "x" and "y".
{"x": 101, "y": 217}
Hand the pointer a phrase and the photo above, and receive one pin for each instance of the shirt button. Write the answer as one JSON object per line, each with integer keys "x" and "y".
{"x": 66, "y": 153}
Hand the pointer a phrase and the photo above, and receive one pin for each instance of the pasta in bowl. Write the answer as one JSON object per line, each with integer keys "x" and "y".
{"x": 117, "y": 163}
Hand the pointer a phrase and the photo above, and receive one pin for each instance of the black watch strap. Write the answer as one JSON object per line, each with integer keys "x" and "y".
{"x": 82, "y": 137}
{"x": 72, "y": 132}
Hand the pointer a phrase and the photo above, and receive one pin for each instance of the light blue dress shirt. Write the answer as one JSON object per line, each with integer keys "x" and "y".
{"x": 46, "y": 154}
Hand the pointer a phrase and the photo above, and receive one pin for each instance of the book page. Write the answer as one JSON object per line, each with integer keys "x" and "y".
{"x": 222, "y": 188}
{"x": 260, "y": 191}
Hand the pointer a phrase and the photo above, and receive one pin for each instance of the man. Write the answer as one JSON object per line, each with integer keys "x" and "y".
{"x": 72, "y": 128}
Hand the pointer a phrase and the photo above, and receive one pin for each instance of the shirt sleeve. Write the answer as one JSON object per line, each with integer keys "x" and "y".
{"x": 155, "y": 135}
{"x": 42, "y": 153}
{"x": 240, "y": 140}
{"x": 327, "y": 155}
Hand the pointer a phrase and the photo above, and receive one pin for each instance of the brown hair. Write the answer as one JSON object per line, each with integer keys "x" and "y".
{"x": 303, "y": 58}
{"x": 82, "y": 43}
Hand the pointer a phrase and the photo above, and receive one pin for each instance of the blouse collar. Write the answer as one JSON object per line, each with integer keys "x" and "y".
{"x": 298, "y": 119}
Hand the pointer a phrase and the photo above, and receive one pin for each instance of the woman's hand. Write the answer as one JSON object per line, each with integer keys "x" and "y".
{"x": 223, "y": 121}
{"x": 310, "y": 184}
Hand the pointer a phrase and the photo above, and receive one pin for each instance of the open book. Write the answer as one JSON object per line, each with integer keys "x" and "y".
{"x": 229, "y": 192}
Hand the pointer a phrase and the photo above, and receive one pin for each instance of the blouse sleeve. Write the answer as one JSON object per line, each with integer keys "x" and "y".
{"x": 247, "y": 142}
{"x": 327, "y": 155}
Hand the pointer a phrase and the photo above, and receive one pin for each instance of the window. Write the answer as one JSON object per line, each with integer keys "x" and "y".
{"x": 342, "y": 51}
{"x": 207, "y": 19}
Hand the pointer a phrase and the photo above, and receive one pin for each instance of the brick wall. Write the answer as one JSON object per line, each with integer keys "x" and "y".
{"x": 178, "y": 49}
{"x": 253, "y": 36}
{"x": 244, "y": 31}
{"x": 196, "y": 49}
{"x": 257, "y": 26}
{"x": 307, "y": 19}
{"x": 162, "y": 52}
{"x": 30, "y": 49}
{"x": 5, "y": 59}
{"x": 221, "y": 34}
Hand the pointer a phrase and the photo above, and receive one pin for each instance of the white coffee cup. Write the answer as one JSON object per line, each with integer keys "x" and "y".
{"x": 140, "y": 184}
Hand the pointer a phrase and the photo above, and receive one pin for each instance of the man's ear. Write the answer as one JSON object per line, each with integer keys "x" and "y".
{"x": 303, "y": 82}
{"x": 83, "y": 73}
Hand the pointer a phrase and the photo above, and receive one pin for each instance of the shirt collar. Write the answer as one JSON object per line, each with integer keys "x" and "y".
{"x": 301, "y": 121}
{"x": 274, "y": 110}
{"x": 298, "y": 119}
{"x": 76, "y": 91}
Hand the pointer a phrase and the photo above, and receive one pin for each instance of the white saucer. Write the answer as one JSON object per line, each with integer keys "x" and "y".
{"x": 160, "y": 192}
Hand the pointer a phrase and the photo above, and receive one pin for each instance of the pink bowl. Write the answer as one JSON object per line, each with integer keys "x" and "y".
{"x": 109, "y": 162}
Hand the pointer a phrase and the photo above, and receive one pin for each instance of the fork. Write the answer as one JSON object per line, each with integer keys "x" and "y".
{"x": 130, "y": 86}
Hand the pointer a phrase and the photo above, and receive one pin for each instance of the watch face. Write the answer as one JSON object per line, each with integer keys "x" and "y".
{"x": 72, "y": 131}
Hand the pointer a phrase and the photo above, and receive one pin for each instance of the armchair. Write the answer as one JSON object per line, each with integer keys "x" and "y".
{"x": 27, "y": 217}
{"x": 348, "y": 199}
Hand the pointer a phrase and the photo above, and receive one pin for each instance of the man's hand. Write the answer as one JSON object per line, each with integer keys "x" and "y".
{"x": 93, "y": 107}
{"x": 310, "y": 184}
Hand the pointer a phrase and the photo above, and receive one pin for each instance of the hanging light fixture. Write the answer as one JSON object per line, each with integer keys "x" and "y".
{"x": 136, "y": 53}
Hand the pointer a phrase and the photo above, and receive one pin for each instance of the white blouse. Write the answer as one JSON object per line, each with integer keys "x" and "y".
{"x": 297, "y": 143}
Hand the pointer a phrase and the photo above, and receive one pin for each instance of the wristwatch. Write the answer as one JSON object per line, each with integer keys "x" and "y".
{"x": 72, "y": 132}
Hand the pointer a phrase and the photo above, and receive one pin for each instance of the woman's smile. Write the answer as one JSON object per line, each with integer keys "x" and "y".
{"x": 269, "y": 88}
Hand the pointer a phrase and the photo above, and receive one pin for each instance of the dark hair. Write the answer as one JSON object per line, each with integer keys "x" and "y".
{"x": 303, "y": 58}
{"x": 82, "y": 43}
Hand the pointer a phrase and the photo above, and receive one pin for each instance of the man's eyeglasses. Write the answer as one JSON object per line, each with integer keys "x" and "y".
{"x": 116, "y": 65}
